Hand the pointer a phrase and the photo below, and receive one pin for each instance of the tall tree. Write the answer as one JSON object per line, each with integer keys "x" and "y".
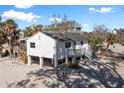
{"x": 9, "y": 33}
{"x": 1, "y": 37}
{"x": 62, "y": 24}
{"x": 98, "y": 36}
{"x": 100, "y": 31}
{"x": 29, "y": 31}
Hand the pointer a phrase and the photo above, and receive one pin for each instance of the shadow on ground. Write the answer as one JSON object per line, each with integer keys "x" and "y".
{"x": 38, "y": 79}
{"x": 90, "y": 75}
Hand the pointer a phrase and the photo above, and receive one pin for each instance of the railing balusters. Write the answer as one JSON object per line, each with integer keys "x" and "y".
{"x": 76, "y": 51}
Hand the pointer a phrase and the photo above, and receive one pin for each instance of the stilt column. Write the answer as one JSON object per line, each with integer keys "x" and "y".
{"x": 29, "y": 60}
{"x": 41, "y": 62}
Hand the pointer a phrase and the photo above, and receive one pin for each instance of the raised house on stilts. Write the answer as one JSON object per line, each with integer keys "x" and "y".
{"x": 55, "y": 48}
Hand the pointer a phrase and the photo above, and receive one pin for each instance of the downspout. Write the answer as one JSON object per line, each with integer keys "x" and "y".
{"x": 74, "y": 47}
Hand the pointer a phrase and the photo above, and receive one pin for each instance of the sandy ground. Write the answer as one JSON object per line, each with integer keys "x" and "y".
{"x": 119, "y": 49}
{"x": 12, "y": 72}
{"x": 19, "y": 75}
{"x": 109, "y": 72}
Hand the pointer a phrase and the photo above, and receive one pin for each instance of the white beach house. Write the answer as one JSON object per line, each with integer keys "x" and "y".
{"x": 54, "y": 47}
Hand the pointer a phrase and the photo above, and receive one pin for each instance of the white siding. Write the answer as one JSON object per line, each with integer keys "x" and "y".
{"x": 62, "y": 49}
{"x": 44, "y": 46}
{"x": 78, "y": 45}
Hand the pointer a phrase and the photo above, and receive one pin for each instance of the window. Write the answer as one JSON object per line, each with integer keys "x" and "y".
{"x": 81, "y": 42}
{"x": 68, "y": 44}
{"x": 32, "y": 45}
{"x": 74, "y": 43}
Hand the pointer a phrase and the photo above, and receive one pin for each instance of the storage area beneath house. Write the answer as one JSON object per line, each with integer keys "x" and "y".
{"x": 46, "y": 61}
{"x": 60, "y": 61}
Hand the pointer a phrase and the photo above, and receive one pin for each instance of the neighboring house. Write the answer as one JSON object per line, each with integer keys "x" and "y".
{"x": 54, "y": 47}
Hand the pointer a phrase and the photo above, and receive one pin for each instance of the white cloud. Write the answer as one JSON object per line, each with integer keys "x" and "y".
{"x": 23, "y": 6}
{"x": 29, "y": 17}
{"x": 85, "y": 25}
{"x": 92, "y": 9}
{"x": 55, "y": 19}
{"x": 101, "y": 10}
{"x": 35, "y": 20}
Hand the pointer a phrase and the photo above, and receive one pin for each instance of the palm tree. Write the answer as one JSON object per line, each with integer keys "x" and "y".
{"x": 111, "y": 39}
{"x": 1, "y": 37}
{"x": 96, "y": 43}
{"x": 10, "y": 34}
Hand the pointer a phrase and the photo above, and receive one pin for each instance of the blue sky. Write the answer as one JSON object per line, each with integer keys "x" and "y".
{"x": 86, "y": 15}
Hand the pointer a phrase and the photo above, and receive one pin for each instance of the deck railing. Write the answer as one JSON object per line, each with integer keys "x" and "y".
{"x": 80, "y": 52}
{"x": 76, "y": 51}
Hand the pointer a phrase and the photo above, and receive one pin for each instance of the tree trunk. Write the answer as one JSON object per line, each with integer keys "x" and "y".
{"x": 107, "y": 46}
{"x": 10, "y": 47}
{"x": 99, "y": 50}
{"x": 11, "y": 52}
{"x": 0, "y": 51}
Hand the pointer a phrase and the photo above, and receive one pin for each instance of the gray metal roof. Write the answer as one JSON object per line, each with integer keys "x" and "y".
{"x": 67, "y": 36}
{"x": 73, "y": 36}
